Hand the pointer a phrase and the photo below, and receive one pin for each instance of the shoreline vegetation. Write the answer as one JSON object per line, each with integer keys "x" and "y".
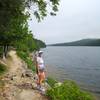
{"x": 67, "y": 90}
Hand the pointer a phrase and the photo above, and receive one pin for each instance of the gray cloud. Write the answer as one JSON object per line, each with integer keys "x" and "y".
{"x": 76, "y": 19}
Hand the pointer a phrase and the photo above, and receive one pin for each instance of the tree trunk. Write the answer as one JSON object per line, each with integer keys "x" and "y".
{"x": 4, "y": 57}
{"x": 5, "y": 51}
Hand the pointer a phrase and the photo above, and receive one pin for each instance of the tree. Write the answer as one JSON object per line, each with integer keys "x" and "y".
{"x": 18, "y": 30}
{"x": 14, "y": 15}
{"x": 29, "y": 44}
{"x": 10, "y": 9}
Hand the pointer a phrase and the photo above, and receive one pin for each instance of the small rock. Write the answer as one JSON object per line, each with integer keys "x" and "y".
{"x": 29, "y": 73}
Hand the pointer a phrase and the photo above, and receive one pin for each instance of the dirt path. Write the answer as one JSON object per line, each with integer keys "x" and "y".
{"x": 18, "y": 86}
{"x": 15, "y": 63}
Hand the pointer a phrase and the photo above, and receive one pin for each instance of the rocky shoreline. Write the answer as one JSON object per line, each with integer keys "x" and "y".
{"x": 18, "y": 83}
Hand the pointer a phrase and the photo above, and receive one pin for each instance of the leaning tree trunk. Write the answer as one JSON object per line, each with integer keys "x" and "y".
{"x": 5, "y": 51}
{"x": 4, "y": 47}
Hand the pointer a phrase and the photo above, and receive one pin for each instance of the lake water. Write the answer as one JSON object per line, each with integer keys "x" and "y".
{"x": 81, "y": 64}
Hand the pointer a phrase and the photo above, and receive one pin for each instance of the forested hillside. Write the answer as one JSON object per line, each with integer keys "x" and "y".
{"x": 83, "y": 42}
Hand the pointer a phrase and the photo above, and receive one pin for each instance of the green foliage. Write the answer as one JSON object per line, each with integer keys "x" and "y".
{"x": 22, "y": 55}
{"x": 3, "y": 69}
{"x": 68, "y": 90}
{"x": 13, "y": 9}
{"x": 30, "y": 64}
{"x": 1, "y": 51}
{"x": 25, "y": 56}
{"x": 13, "y": 21}
{"x": 51, "y": 81}
{"x": 41, "y": 6}
{"x": 29, "y": 44}
{"x": 9, "y": 9}
{"x": 39, "y": 44}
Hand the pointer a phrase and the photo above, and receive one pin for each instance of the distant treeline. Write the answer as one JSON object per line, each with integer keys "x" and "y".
{"x": 83, "y": 42}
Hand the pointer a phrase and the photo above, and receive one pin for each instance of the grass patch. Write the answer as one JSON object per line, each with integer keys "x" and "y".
{"x": 51, "y": 81}
{"x": 3, "y": 69}
{"x": 68, "y": 90}
{"x": 25, "y": 56}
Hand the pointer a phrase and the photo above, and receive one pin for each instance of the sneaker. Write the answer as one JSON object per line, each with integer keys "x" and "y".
{"x": 38, "y": 87}
{"x": 42, "y": 90}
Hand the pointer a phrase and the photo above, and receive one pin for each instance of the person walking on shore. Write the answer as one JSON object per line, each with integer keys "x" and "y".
{"x": 40, "y": 70}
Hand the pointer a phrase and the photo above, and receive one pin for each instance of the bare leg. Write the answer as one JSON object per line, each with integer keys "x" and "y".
{"x": 41, "y": 77}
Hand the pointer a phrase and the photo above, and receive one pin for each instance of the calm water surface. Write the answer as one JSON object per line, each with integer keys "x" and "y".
{"x": 81, "y": 64}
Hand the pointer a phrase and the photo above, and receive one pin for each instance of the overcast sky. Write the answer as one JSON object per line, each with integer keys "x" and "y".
{"x": 76, "y": 19}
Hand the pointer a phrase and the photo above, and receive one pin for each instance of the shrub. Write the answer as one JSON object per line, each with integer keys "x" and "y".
{"x": 51, "y": 81}
{"x": 25, "y": 56}
{"x": 3, "y": 69}
{"x": 22, "y": 55}
{"x": 68, "y": 90}
{"x": 30, "y": 64}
